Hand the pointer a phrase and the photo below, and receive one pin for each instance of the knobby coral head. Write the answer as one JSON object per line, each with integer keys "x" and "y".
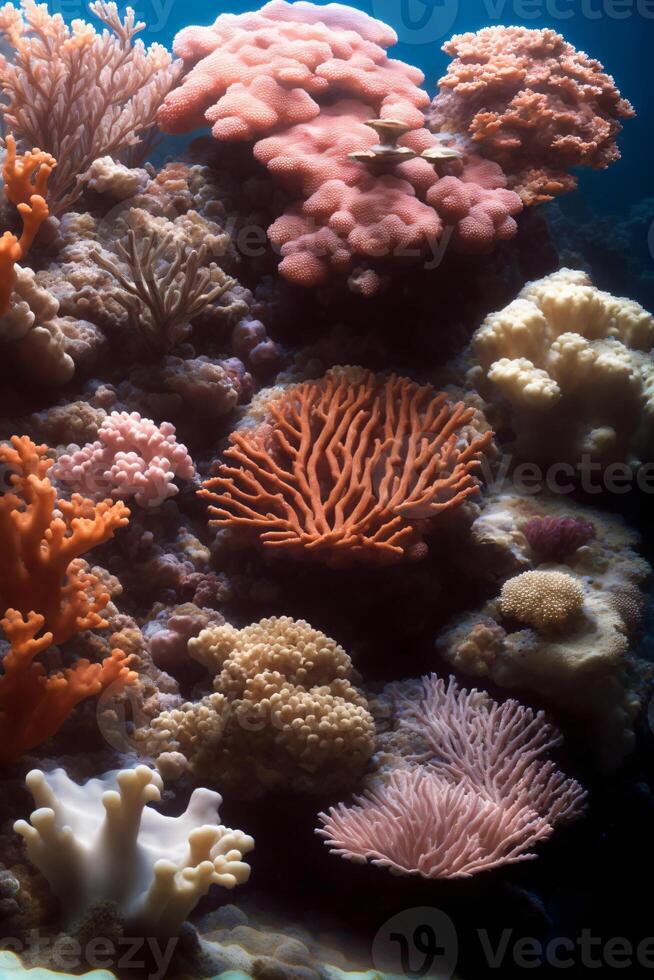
{"x": 349, "y": 469}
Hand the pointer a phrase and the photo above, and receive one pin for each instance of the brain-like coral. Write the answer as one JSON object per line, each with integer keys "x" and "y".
{"x": 543, "y": 600}
{"x": 352, "y": 468}
{"x": 533, "y": 103}
{"x": 570, "y": 369}
{"x": 284, "y": 712}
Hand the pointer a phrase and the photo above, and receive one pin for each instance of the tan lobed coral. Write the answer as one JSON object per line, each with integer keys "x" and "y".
{"x": 544, "y": 600}
{"x": 582, "y": 669}
{"x": 285, "y": 712}
{"x": 570, "y": 370}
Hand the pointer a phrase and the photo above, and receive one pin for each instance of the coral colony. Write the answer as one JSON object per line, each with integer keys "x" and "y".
{"x": 204, "y": 443}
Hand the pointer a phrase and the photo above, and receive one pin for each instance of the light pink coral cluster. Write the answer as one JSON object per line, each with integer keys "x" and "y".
{"x": 132, "y": 457}
{"x": 533, "y": 103}
{"x": 304, "y": 80}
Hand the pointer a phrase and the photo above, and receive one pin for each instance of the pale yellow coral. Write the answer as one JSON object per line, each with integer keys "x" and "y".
{"x": 572, "y": 368}
{"x": 544, "y": 600}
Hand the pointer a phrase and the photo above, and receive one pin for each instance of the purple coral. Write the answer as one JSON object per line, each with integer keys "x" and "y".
{"x": 132, "y": 457}
{"x": 555, "y": 538}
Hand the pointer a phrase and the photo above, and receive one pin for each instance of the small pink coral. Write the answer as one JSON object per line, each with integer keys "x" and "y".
{"x": 554, "y": 538}
{"x": 132, "y": 457}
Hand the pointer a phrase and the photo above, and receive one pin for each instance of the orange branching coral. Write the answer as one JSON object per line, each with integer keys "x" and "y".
{"x": 351, "y": 468}
{"x": 41, "y": 540}
{"x": 25, "y": 182}
{"x": 33, "y": 704}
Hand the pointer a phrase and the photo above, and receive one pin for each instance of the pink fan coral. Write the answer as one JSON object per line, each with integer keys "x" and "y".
{"x": 554, "y": 538}
{"x": 533, "y": 103}
{"x": 479, "y": 795}
{"x": 132, "y": 457}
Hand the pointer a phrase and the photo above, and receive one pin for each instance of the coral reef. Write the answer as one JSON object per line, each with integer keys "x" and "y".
{"x": 350, "y": 468}
{"x": 83, "y": 838}
{"x": 570, "y": 369}
{"x": 531, "y": 102}
{"x": 580, "y": 667}
{"x": 274, "y": 76}
{"x": 481, "y": 795}
{"x": 299, "y": 415}
{"x": 55, "y": 84}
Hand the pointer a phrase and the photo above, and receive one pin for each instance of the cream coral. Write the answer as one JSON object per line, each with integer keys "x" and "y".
{"x": 544, "y": 600}
{"x": 570, "y": 368}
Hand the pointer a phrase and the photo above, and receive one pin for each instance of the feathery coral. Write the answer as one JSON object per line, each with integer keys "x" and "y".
{"x": 79, "y": 94}
{"x": 480, "y": 796}
{"x": 34, "y": 704}
{"x": 83, "y": 838}
{"x": 533, "y": 103}
{"x": 41, "y": 538}
{"x": 351, "y": 468}
{"x": 161, "y": 302}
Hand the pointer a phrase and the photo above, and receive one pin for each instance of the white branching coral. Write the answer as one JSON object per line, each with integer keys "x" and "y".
{"x": 101, "y": 841}
{"x": 573, "y": 368}
{"x": 284, "y": 712}
{"x": 76, "y": 93}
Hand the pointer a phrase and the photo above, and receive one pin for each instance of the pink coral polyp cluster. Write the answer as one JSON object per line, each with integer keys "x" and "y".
{"x": 132, "y": 457}
{"x": 304, "y": 81}
{"x": 258, "y": 71}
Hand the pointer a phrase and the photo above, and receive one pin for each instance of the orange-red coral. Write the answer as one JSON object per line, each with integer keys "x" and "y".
{"x": 25, "y": 182}
{"x": 533, "y": 103}
{"x": 41, "y": 539}
{"x": 33, "y": 704}
{"x": 351, "y": 468}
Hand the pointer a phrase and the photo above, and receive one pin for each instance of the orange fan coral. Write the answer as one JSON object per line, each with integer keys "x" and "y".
{"x": 25, "y": 181}
{"x": 350, "y": 468}
{"x": 33, "y": 704}
{"x": 39, "y": 570}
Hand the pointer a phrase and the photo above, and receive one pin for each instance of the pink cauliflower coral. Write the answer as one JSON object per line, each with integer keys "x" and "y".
{"x": 533, "y": 103}
{"x": 304, "y": 80}
{"x": 132, "y": 457}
